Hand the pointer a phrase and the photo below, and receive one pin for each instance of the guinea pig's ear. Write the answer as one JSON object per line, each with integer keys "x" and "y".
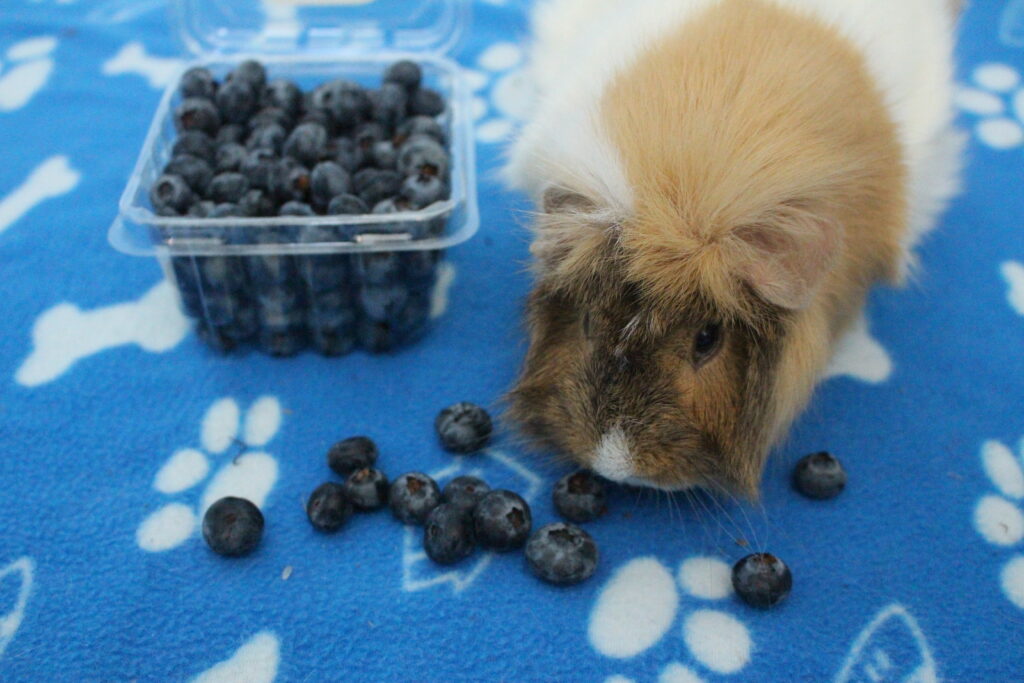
{"x": 567, "y": 232}
{"x": 561, "y": 200}
{"x": 788, "y": 253}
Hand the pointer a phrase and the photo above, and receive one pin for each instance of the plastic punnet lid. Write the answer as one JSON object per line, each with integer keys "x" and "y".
{"x": 320, "y": 26}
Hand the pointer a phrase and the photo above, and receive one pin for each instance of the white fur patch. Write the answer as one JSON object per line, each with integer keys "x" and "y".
{"x": 611, "y": 458}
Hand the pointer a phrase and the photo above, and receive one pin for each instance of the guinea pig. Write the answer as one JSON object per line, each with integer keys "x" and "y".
{"x": 719, "y": 183}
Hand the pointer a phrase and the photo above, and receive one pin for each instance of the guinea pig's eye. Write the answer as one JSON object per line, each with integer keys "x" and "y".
{"x": 706, "y": 343}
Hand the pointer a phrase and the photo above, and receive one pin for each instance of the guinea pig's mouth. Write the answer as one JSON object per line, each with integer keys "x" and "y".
{"x": 612, "y": 460}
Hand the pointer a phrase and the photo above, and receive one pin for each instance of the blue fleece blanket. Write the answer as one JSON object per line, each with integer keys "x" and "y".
{"x": 117, "y": 425}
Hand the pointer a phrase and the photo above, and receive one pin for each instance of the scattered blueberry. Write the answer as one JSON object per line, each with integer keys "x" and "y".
{"x": 580, "y": 497}
{"x": 367, "y": 488}
{"x": 447, "y": 534}
{"x": 232, "y": 527}
{"x": 171, "y": 192}
{"x": 762, "y": 580}
{"x": 422, "y": 190}
{"x": 230, "y": 157}
{"x": 562, "y": 554}
{"x": 193, "y": 170}
{"x": 463, "y": 427}
{"x": 426, "y": 102}
{"x": 329, "y": 507}
{"x": 228, "y": 187}
{"x": 306, "y": 143}
{"x": 412, "y": 496}
{"x": 198, "y": 82}
{"x": 405, "y": 73}
{"x": 422, "y": 154}
{"x": 195, "y": 143}
{"x": 502, "y": 520}
{"x": 235, "y": 101}
{"x": 465, "y": 492}
{"x": 351, "y": 454}
{"x": 251, "y": 72}
{"x": 327, "y": 181}
{"x": 820, "y": 476}
{"x": 197, "y": 113}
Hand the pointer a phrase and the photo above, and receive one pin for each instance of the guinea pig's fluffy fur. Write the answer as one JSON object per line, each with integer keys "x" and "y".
{"x": 719, "y": 183}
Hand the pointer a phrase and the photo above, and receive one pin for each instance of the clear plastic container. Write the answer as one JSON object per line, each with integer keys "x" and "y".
{"x": 325, "y": 282}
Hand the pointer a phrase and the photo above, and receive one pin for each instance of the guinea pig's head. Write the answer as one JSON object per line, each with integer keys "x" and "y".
{"x": 675, "y": 361}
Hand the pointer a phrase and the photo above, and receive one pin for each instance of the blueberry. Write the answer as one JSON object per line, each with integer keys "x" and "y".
{"x": 271, "y": 115}
{"x": 196, "y": 113}
{"x": 373, "y": 185}
{"x": 317, "y": 116}
{"x": 230, "y": 157}
{"x": 366, "y": 135}
{"x": 232, "y": 527}
{"x": 448, "y": 535}
{"x": 422, "y": 154}
{"x": 347, "y": 205}
{"x": 250, "y": 72}
{"x": 172, "y": 193}
{"x": 502, "y": 520}
{"x": 260, "y": 167}
{"x": 329, "y": 507}
{"x": 383, "y": 302}
{"x": 820, "y": 476}
{"x": 198, "y": 82}
{"x": 390, "y": 105}
{"x": 290, "y": 181}
{"x": 306, "y": 143}
{"x": 562, "y": 554}
{"x": 419, "y": 125}
{"x": 465, "y": 492}
{"x": 236, "y": 101}
{"x": 270, "y": 137}
{"x": 202, "y": 209}
{"x": 284, "y": 95}
{"x": 195, "y": 143}
{"x": 327, "y": 181}
{"x": 256, "y": 204}
{"x": 227, "y": 210}
{"x": 281, "y": 342}
{"x": 580, "y": 497}
{"x": 345, "y": 101}
{"x": 422, "y": 190}
{"x": 193, "y": 170}
{"x": 294, "y": 208}
{"x": 384, "y": 155}
{"x": 348, "y": 155}
{"x": 367, "y": 489}
{"x": 228, "y": 187}
{"x": 463, "y": 427}
{"x": 351, "y": 454}
{"x": 412, "y": 496}
{"x": 407, "y": 74}
{"x": 426, "y": 102}
{"x": 231, "y": 132}
{"x": 762, "y": 580}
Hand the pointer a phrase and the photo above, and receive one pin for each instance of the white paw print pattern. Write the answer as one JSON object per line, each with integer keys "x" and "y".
{"x": 244, "y": 473}
{"x": 503, "y": 92}
{"x": 26, "y": 68}
{"x": 640, "y": 603}
{"x": 1013, "y": 274}
{"x": 997, "y": 99}
{"x": 998, "y": 516}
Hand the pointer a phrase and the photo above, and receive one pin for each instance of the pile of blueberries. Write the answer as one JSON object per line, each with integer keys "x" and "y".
{"x": 249, "y": 147}
{"x": 467, "y": 513}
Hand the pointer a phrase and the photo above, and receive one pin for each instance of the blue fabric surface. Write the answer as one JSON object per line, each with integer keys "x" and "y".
{"x": 917, "y": 569}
